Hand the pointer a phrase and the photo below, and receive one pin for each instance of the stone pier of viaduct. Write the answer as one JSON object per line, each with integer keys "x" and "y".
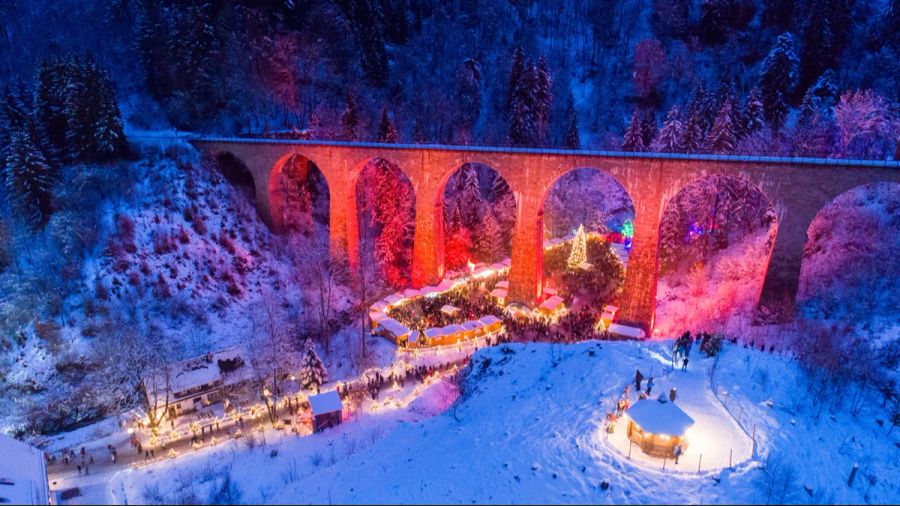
{"x": 798, "y": 188}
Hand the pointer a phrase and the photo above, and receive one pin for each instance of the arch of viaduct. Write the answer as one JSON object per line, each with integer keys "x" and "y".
{"x": 798, "y": 188}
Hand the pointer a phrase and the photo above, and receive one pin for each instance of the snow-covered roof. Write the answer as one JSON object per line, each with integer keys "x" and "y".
{"x": 498, "y": 267}
{"x": 453, "y": 329}
{"x": 472, "y": 325}
{"x": 411, "y": 292}
{"x": 23, "y": 473}
{"x": 507, "y": 262}
{"x": 610, "y": 308}
{"x": 393, "y": 299}
{"x": 550, "y": 291}
{"x": 448, "y": 309}
{"x": 429, "y": 290}
{"x": 625, "y": 330}
{"x": 377, "y": 316}
{"x": 445, "y": 285}
{"x": 660, "y": 417}
{"x": 489, "y": 320}
{"x": 326, "y": 402}
{"x": 434, "y": 332}
{"x": 204, "y": 370}
{"x": 413, "y": 336}
{"x": 503, "y": 284}
{"x": 552, "y": 303}
{"x": 499, "y": 293}
{"x": 394, "y": 327}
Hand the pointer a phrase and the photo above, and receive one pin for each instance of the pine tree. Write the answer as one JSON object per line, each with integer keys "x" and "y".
{"x": 350, "y": 120}
{"x": 515, "y": 77}
{"x": 818, "y": 50}
{"x": 578, "y": 255}
{"x": 312, "y": 373}
{"x": 469, "y": 99}
{"x": 633, "y": 140}
{"x": 692, "y": 141}
{"x": 489, "y": 239}
{"x": 386, "y": 131}
{"x": 28, "y": 179}
{"x": 572, "y": 139}
{"x": 543, "y": 97}
{"x": 419, "y": 133}
{"x": 522, "y": 126}
{"x": 649, "y": 129}
{"x": 721, "y": 138}
{"x": 754, "y": 119}
{"x": 672, "y": 133}
{"x": 777, "y": 80}
{"x": 109, "y": 133}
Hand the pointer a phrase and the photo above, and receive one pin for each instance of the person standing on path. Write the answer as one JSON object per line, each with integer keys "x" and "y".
{"x": 638, "y": 378}
{"x": 684, "y": 364}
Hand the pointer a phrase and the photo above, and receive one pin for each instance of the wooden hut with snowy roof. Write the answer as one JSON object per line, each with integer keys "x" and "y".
{"x": 657, "y": 426}
{"x": 327, "y": 410}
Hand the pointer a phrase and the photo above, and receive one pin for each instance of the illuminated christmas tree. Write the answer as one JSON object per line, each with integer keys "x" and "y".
{"x": 578, "y": 256}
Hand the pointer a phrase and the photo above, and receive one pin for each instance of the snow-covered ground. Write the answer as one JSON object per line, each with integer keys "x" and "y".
{"x": 527, "y": 427}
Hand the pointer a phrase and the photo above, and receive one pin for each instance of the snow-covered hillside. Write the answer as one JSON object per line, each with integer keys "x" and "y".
{"x": 528, "y": 428}
{"x": 177, "y": 257}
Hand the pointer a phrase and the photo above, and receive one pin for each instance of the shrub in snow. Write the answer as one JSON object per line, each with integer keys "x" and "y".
{"x": 710, "y": 344}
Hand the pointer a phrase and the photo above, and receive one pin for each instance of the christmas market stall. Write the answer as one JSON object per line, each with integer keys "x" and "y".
{"x": 393, "y": 330}
{"x": 657, "y": 426}
{"x": 326, "y": 410}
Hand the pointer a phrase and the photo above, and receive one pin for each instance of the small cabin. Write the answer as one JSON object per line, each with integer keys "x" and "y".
{"x": 657, "y": 426}
{"x": 499, "y": 295}
{"x": 449, "y": 310}
{"x": 551, "y": 305}
{"x": 393, "y": 330}
{"x": 327, "y": 410}
{"x": 491, "y": 323}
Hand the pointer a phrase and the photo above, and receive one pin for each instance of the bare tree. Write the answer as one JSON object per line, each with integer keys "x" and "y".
{"x": 321, "y": 275}
{"x": 271, "y": 351}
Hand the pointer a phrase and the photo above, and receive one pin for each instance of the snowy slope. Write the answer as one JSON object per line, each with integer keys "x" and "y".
{"x": 528, "y": 429}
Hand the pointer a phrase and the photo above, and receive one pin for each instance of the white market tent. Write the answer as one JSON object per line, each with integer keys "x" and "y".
{"x": 326, "y": 402}
{"x": 446, "y": 285}
{"x": 429, "y": 291}
{"x": 380, "y": 305}
{"x": 472, "y": 326}
{"x": 499, "y": 293}
{"x": 449, "y": 310}
{"x": 625, "y": 330}
{"x": 503, "y": 284}
{"x": 659, "y": 417}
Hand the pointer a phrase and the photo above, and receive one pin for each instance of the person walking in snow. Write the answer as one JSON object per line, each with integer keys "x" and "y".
{"x": 672, "y": 394}
{"x": 649, "y": 385}
{"x": 677, "y": 452}
{"x": 684, "y": 363}
{"x": 638, "y": 378}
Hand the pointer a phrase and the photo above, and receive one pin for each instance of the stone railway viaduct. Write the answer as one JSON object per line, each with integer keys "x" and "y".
{"x": 798, "y": 188}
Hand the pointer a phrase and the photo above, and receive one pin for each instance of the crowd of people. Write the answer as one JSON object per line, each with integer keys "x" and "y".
{"x": 473, "y": 300}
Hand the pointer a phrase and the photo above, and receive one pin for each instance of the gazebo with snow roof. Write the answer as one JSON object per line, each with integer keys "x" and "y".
{"x": 657, "y": 426}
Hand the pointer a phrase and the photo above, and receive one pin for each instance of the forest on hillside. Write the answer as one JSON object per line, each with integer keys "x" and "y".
{"x": 785, "y": 77}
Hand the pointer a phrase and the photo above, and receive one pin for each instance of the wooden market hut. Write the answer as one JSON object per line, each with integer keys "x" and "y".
{"x": 657, "y": 426}
{"x": 552, "y": 305}
{"x": 395, "y": 331}
{"x": 491, "y": 323}
{"x": 327, "y": 410}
